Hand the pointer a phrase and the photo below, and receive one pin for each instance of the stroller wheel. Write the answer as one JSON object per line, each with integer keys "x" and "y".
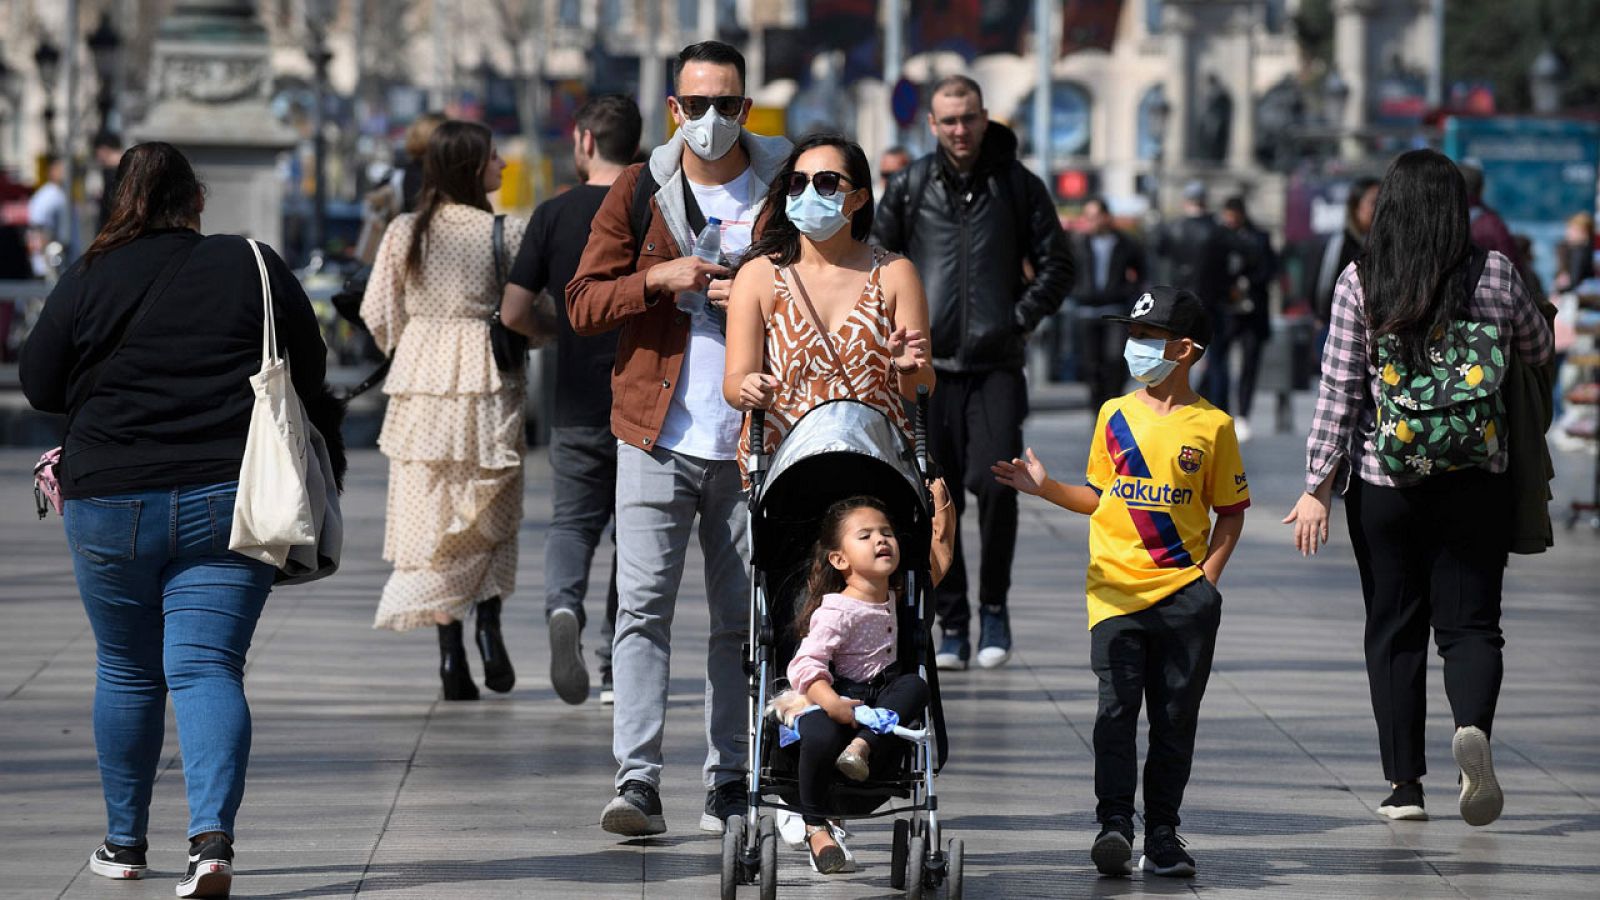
{"x": 897, "y": 854}
{"x": 732, "y": 854}
{"x": 768, "y": 836}
{"x": 916, "y": 858}
{"x": 953, "y": 862}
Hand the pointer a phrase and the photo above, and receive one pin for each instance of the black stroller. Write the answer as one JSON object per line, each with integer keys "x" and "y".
{"x": 838, "y": 450}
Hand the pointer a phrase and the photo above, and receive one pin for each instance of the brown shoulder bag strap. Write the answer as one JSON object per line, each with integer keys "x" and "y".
{"x": 827, "y": 338}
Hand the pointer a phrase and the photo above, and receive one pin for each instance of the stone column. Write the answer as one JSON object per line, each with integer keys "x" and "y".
{"x": 1183, "y": 82}
{"x": 1352, "y": 35}
{"x": 211, "y": 83}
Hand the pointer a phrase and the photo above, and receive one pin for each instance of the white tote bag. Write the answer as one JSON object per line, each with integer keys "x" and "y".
{"x": 273, "y": 512}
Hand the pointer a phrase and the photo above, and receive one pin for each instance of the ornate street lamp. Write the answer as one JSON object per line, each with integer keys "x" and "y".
{"x": 48, "y": 60}
{"x": 1547, "y": 80}
{"x": 1335, "y": 97}
{"x": 105, "y": 48}
{"x": 318, "y": 14}
{"x": 1159, "y": 116}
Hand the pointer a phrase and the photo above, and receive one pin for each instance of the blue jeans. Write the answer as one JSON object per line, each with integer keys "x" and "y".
{"x": 172, "y": 610}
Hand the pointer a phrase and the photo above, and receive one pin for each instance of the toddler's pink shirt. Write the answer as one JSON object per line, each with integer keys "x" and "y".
{"x": 857, "y": 637}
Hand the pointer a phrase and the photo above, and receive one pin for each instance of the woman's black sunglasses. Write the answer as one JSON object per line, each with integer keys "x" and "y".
{"x": 826, "y": 183}
{"x": 695, "y": 105}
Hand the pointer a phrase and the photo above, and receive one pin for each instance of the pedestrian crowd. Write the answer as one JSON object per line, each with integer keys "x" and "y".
{"x": 817, "y": 284}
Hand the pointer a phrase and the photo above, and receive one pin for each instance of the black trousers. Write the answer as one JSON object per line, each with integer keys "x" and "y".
{"x": 973, "y": 421}
{"x": 1250, "y": 341}
{"x": 1215, "y": 380}
{"x": 822, "y": 739}
{"x": 1101, "y": 343}
{"x": 1433, "y": 555}
{"x": 1163, "y": 653}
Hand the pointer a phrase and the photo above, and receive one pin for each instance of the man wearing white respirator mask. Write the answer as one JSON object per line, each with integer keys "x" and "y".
{"x": 677, "y": 437}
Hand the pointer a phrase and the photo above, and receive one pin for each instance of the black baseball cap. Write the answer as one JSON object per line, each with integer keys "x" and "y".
{"x": 1172, "y": 309}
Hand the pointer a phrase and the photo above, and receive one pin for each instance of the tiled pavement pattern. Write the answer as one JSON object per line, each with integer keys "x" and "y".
{"x": 361, "y": 784}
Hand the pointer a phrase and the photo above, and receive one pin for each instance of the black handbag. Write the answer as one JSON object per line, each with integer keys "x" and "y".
{"x": 510, "y": 348}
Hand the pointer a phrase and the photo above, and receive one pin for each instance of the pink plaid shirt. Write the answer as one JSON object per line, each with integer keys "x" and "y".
{"x": 857, "y": 637}
{"x": 1346, "y": 416}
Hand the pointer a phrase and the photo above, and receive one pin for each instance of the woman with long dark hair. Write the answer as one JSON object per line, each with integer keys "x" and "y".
{"x": 1406, "y": 427}
{"x": 817, "y": 313}
{"x": 147, "y": 345}
{"x": 453, "y": 431}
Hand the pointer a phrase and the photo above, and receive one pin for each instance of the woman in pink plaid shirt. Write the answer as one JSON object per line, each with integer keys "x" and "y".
{"x": 1431, "y": 548}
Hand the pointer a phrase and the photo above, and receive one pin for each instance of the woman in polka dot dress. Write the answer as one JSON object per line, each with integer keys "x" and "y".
{"x": 453, "y": 431}
{"x": 847, "y": 658}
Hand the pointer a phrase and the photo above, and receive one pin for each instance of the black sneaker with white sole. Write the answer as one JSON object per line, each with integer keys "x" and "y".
{"x": 1164, "y": 854}
{"x": 1405, "y": 803}
{"x": 116, "y": 861}
{"x": 1113, "y": 849}
{"x": 568, "y": 675}
{"x": 636, "y": 811}
{"x": 210, "y": 868}
{"x": 1481, "y": 797}
{"x": 724, "y": 800}
{"x": 608, "y": 694}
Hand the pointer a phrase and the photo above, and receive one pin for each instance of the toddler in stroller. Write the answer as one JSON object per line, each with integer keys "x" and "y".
{"x": 847, "y": 659}
{"x": 844, "y": 472}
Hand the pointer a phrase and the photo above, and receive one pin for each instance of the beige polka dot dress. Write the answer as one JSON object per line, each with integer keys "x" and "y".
{"x": 453, "y": 431}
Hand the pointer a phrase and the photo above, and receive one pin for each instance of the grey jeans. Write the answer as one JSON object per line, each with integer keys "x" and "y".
{"x": 659, "y": 495}
{"x": 583, "y": 463}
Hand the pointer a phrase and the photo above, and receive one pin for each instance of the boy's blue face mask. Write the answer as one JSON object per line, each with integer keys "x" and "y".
{"x": 1147, "y": 361}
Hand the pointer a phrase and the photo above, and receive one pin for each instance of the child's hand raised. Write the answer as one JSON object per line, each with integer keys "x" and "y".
{"x": 1026, "y": 475}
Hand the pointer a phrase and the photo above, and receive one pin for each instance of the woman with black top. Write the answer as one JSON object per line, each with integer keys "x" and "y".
{"x": 147, "y": 345}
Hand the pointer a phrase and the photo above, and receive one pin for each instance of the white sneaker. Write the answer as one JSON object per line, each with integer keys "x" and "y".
{"x": 1481, "y": 798}
{"x": 791, "y": 829}
{"x": 839, "y": 834}
{"x": 993, "y": 657}
{"x": 1241, "y": 429}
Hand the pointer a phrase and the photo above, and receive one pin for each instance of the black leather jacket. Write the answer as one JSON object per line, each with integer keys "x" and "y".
{"x": 969, "y": 237}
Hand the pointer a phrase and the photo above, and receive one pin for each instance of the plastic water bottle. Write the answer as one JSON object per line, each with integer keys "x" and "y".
{"x": 708, "y": 246}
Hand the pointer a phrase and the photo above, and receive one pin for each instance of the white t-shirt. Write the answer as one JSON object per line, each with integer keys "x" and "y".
{"x": 699, "y": 421}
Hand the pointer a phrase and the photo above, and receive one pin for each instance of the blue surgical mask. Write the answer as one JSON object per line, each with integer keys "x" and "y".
{"x": 817, "y": 217}
{"x": 1147, "y": 362}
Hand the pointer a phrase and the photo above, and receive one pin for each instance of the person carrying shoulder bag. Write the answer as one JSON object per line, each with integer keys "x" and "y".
{"x": 148, "y": 345}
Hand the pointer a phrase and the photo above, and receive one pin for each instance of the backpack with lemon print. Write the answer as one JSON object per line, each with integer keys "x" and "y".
{"x": 1448, "y": 415}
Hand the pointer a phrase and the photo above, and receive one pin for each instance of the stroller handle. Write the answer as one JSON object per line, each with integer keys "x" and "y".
{"x": 921, "y": 430}
{"x": 758, "y": 442}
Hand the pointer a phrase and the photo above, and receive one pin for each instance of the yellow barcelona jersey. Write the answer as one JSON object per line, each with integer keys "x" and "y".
{"x": 1158, "y": 477}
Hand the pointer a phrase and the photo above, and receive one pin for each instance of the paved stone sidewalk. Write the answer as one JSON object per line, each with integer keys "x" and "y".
{"x": 361, "y": 784}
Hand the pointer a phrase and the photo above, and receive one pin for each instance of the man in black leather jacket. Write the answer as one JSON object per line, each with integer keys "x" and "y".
{"x": 970, "y": 216}
{"x": 1203, "y": 257}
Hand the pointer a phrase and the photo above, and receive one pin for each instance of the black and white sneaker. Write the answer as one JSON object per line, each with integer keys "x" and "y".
{"x": 1164, "y": 854}
{"x": 568, "y": 675}
{"x": 636, "y": 811}
{"x": 116, "y": 861}
{"x": 608, "y": 695}
{"x": 1113, "y": 849}
{"x": 1405, "y": 803}
{"x": 724, "y": 800}
{"x": 1481, "y": 798}
{"x": 210, "y": 869}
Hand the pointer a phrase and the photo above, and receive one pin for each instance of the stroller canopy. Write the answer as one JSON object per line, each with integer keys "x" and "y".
{"x": 838, "y": 450}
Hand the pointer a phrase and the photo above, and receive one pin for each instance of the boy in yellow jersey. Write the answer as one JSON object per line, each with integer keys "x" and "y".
{"x": 1162, "y": 460}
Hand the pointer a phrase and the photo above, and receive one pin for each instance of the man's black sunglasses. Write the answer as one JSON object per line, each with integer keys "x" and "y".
{"x": 695, "y": 105}
{"x": 826, "y": 183}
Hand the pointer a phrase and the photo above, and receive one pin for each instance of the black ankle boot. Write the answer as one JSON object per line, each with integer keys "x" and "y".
{"x": 453, "y": 669}
{"x": 498, "y": 675}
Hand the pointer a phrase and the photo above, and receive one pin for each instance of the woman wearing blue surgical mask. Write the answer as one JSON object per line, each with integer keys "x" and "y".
{"x": 816, "y": 313}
